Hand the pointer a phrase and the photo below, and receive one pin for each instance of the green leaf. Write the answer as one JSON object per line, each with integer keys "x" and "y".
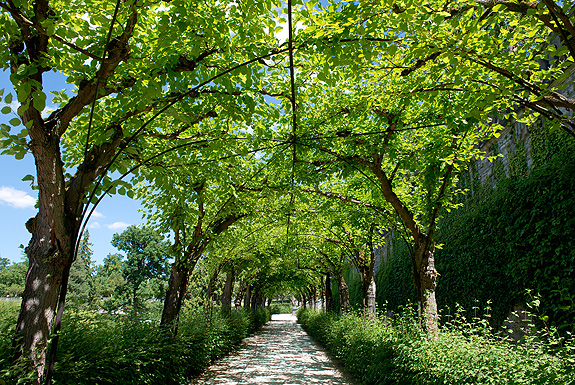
{"x": 6, "y": 110}
{"x": 498, "y": 7}
{"x": 8, "y": 98}
{"x": 15, "y": 121}
{"x": 39, "y": 100}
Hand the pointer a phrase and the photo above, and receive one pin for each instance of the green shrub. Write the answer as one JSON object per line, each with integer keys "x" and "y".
{"x": 8, "y": 318}
{"x": 100, "y": 349}
{"x": 281, "y": 307}
{"x": 379, "y": 351}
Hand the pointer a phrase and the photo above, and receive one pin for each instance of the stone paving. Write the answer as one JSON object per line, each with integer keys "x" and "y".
{"x": 281, "y": 353}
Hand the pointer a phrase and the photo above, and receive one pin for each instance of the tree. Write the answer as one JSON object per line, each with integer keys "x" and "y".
{"x": 194, "y": 228}
{"x": 406, "y": 130}
{"x": 146, "y": 254}
{"x": 12, "y": 277}
{"x": 129, "y": 62}
{"x": 108, "y": 281}
{"x": 81, "y": 284}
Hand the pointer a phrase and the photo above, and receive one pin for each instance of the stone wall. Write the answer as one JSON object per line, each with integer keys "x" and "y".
{"x": 514, "y": 141}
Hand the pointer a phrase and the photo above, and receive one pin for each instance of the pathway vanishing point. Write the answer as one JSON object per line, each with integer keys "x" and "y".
{"x": 281, "y": 353}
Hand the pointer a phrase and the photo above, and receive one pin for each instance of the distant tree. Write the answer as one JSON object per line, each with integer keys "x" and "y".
{"x": 4, "y": 262}
{"x": 12, "y": 277}
{"x": 108, "y": 276}
{"x": 146, "y": 254}
{"x": 108, "y": 282}
{"x": 81, "y": 285}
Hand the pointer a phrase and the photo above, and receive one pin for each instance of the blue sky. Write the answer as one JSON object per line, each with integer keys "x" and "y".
{"x": 17, "y": 198}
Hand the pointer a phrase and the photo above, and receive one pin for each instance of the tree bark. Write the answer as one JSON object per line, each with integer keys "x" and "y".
{"x": 177, "y": 287}
{"x": 228, "y": 291}
{"x": 240, "y": 295}
{"x": 51, "y": 250}
{"x": 425, "y": 277}
{"x": 37, "y": 311}
{"x": 328, "y": 293}
{"x": 255, "y": 300}
{"x": 183, "y": 267}
{"x": 343, "y": 295}
{"x": 248, "y": 296}
{"x": 370, "y": 304}
{"x": 211, "y": 284}
{"x": 313, "y": 298}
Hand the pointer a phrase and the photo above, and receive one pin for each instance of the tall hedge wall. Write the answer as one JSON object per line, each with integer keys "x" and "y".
{"x": 506, "y": 240}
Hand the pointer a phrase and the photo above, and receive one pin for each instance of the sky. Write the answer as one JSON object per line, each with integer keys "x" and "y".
{"x": 17, "y": 199}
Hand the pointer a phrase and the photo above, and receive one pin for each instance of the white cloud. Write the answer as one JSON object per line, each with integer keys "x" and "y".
{"x": 94, "y": 225}
{"x": 16, "y": 198}
{"x": 118, "y": 226}
{"x": 13, "y": 106}
{"x": 48, "y": 110}
{"x": 97, "y": 214}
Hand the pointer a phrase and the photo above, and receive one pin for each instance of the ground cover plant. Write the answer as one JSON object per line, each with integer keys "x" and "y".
{"x": 103, "y": 349}
{"x": 385, "y": 351}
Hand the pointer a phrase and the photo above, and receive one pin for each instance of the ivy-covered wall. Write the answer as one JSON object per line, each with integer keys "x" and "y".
{"x": 514, "y": 235}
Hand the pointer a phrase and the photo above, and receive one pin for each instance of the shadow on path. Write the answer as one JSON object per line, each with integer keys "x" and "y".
{"x": 281, "y": 353}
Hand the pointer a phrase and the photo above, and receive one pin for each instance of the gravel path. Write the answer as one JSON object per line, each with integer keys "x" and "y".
{"x": 281, "y": 353}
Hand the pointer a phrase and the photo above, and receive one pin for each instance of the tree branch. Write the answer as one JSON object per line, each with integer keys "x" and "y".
{"x": 344, "y": 198}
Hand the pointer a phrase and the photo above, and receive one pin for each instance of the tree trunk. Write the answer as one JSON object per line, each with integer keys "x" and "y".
{"x": 313, "y": 298}
{"x": 328, "y": 293}
{"x": 256, "y": 300}
{"x": 370, "y": 304}
{"x": 177, "y": 287}
{"x": 423, "y": 262}
{"x": 239, "y": 296}
{"x": 211, "y": 284}
{"x": 228, "y": 291}
{"x": 37, "y": 312}
{"x": 51, "y": 249}
{"x": 248, "y": 297}
{"x": 343, "y": 295}
{"x": 368, "y": 291}
{"x": 425, "y": 277}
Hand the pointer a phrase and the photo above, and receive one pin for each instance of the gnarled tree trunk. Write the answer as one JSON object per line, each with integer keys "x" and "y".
{"x": 38, "y": 309}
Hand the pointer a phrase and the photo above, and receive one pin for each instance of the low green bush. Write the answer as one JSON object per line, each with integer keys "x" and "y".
{"x": 8, "y": 318}
{"x": 381, "y": 351}
{"x": 281, "y": 307}
{"x": 100, "y": 349}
